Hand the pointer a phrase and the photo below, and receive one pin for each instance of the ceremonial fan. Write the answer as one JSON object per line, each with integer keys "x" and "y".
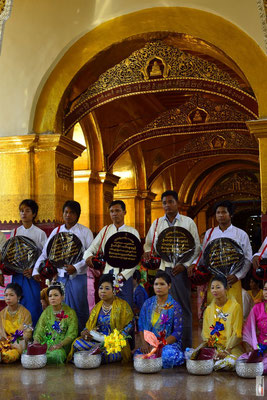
{"x": 223, "y": 256}
{"x": 63, "y": 248}
{"x": 18, "y": 254}
{"x": 175, "y": 245}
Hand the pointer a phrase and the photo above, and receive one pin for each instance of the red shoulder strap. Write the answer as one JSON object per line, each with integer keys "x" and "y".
{"x": 260, "y": 257}
{"x": 102, "y": 241}
{"x": 15, "y": 231}
{"x": 58, "y": 229}
{"x": 207, "y": 241}
{"x": 151, "y": 250}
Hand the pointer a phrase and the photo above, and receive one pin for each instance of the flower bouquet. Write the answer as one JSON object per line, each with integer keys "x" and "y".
{"x": 151, "y": 362}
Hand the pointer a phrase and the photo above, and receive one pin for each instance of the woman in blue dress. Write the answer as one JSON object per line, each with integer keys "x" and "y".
{"x": 162, "y": 313}
{"x": 109, "y": 313}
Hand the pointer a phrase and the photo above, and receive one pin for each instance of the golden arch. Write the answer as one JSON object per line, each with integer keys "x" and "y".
{"x": 191, "y": 21}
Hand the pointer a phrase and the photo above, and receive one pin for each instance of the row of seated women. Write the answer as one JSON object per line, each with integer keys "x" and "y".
{"x": 58, "y": 325}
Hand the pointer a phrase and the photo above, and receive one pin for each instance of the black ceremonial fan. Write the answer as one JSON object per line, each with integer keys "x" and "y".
{"x": 64, "y": 248}
{"x": 175, "y": 245}
{"x": 223, "y": 256}
{"x": 18, "y": 254}
{"x": 123, "y": 250}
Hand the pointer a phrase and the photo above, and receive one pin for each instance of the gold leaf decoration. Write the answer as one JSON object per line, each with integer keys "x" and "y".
{"x": 175, "y": 63}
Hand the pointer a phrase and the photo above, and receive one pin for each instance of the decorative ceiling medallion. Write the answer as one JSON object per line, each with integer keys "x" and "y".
{"x": 218, "y": 142}
{"x": 198, "y": 110}
{"x": 155, "y": 67}
{"x": 236, "y": 185}
{"x": 157, "y": 60}
{"x": 5, "y": 10}
{"x": 198, "y": 116}
{"x": 213, "y": 144}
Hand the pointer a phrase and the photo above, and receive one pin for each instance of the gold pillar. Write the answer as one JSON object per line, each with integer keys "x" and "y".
{"x": 81, "y": 194}
{"x": 104, "y": 194}
{"x": 259, "y": 129}
{"x": 156, "y": 210}
{"x": 201, "y": 221}
{"x": 138, "y": 207}
{"x": 94, "y": 191}
{"x": 38, "y": 167}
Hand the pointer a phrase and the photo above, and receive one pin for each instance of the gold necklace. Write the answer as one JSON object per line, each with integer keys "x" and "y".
{"x": 159, "y": 307}
{"x": 106, "y": 309}
{"x": 12, "y": 313}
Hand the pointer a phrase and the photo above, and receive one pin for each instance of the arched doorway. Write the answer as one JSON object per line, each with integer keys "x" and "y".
{"x": 159, "y": 105}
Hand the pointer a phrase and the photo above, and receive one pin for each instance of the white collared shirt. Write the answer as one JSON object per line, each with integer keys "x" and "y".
{"x": 240, "y": 236}
{"x": 261, "y": 249}
{"x": 86, "y": 237}
{"x": 163, "y": 223}
{"x": 34, "y": 233}
{"x": 111, "y": 230}
{"x": 2, "y": 241}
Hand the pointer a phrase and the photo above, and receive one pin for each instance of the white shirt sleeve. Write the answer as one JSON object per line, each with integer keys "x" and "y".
{"x": 43, "y": 255}
{"x": 246, "y": 246}
{"x": 94, "y": 246}
{"x": 87, "y": 238}
{"x": 261, "y": 248}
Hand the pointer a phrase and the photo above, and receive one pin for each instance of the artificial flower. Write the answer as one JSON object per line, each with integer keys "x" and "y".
{"x": 17, "y": 336}
{"x": 62, "y": 315}
{"x": 215, "y": 329}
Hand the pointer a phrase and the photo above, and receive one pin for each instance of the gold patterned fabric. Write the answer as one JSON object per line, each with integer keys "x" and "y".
{"x": 11, "y": 352}
{"x": 121, "y": 315}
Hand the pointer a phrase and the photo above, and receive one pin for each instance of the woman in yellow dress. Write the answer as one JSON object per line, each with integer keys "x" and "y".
{"x": 15, "y": 325}
{"x": 255, "y": 291}
{"x": 222, "y": 325}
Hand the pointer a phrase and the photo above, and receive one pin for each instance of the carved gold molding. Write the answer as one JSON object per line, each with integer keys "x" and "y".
{"x": 5, "y": 10}
{"x": 262, "y": 8}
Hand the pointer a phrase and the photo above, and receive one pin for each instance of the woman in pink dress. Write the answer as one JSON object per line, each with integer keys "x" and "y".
{"x": 255, "y": 329}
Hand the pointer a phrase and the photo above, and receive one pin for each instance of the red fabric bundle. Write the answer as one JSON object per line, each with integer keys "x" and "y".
{"x": 255, "y": 357}
{"x": 206, "y": 353}
{"x": 36, "y": 349}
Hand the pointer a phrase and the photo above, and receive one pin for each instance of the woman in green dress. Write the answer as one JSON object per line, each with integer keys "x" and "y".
{"x": 57, "y": 326}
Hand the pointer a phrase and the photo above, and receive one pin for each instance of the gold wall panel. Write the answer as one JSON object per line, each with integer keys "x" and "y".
{"x": 38, "y": 167}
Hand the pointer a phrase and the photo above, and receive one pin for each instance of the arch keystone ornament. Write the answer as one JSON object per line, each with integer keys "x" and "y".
{"x": 5, "y": 11}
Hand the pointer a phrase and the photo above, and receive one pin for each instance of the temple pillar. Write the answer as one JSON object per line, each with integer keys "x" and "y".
{"x": 145, "y": 212}
{"x": 38, "y": 167}
{"x": 138, "y": 207}
{"x": 103, "y": 196}
{"x": 259, "y": 129}
{"x": 156, "y": 210}
{"x": 201, "y": 221}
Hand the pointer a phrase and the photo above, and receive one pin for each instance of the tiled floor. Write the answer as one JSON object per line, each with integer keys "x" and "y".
{"x": 116, "y": 382}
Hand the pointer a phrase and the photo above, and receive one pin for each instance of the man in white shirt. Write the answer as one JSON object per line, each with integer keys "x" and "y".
{"x": 262, "y": 252}
{"x": 73, "y": 276}
{"x": 224, "y": 211}
{"x": 117, "y": 211}
{"x": 181, "y": 286}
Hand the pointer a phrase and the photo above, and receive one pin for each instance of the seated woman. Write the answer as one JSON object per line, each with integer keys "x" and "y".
{"x": 255, "y": 290}
{"x": 108, "y": 314}
{"x": 159, "y": 313}
{"x": 14, "y": 317}
{"x": 226, "y": 313}
{"x": 57, "y": 326}
{"x": 255, "y": 329}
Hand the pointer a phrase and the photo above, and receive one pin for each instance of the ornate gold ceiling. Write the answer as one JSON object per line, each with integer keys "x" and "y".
{"x": 169, "y": 97}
